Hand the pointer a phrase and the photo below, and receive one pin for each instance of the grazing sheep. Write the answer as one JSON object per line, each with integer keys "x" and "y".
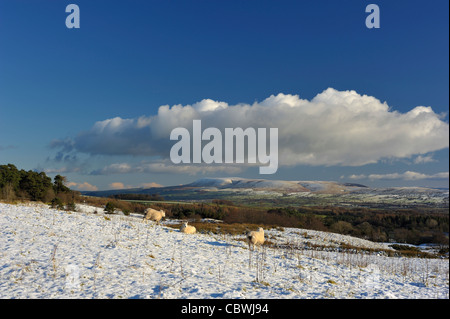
{"x": 255, "y": 238}
{"x": 154, "y": 215}
{"x": 187, "y": 229}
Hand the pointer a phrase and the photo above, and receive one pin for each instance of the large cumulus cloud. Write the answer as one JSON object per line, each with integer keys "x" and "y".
{"x": 334, "y": 128}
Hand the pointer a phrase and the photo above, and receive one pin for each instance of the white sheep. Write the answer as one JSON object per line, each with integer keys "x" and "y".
{"x": 255, "y": 238}
{"x": 154, "y": 215}
{"x": 187, "y": 229}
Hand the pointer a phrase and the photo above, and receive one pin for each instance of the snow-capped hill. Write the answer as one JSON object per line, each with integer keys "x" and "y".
{"x": 318, "y": 187}
{"x": 241, "y": 190}
{"x": 275, "y": 185}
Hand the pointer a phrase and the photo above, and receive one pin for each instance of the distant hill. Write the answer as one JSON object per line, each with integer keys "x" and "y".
{"x": 283, "y": 193}
{"x": 238, "y": 183}
{"x": 274, "y": 185}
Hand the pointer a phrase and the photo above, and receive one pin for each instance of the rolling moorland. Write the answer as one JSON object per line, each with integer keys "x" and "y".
{"x": 405, "y": 215}
{"x": 410, "y": 215}
{"x": 58, "y": 243}
{"x": 269, "y": 193}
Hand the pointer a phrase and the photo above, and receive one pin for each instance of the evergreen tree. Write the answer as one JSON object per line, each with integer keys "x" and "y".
{"x": 109, "y": 208}
{"x": 58, "y": 184}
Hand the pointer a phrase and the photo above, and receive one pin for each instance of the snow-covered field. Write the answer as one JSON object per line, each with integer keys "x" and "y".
{"x": 47, "y": 253}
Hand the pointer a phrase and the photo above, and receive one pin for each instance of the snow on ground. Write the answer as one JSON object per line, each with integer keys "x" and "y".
{"x": 47, "y": 253}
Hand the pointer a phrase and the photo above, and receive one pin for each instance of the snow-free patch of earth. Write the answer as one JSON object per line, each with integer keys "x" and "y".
{"x": 48, "y": 253}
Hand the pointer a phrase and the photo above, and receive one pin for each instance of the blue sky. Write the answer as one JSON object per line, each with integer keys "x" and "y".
{"x": 129, "y": 58}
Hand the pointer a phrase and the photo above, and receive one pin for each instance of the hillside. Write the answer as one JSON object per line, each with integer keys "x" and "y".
{"x": 48, "y": 253}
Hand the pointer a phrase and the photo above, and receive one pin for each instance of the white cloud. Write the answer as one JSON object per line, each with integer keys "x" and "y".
{"x": 424, "y": 159}
{"x": 334, "y": 128}
{"x": 165, "y": 167}
{"x": 407, "y": 176}
{"x": 361, "y": 176}
{"x": 61, "y": 170}
{"x": 82, "y": 186}
{"x": 118, "y": 185}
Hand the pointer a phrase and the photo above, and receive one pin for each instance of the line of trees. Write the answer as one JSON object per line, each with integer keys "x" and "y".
{"x": 412, "y": 226}
{"x": 18, "y": 184}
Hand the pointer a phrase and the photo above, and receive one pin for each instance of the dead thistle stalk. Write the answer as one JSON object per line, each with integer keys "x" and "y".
{"x": 53, "y": 259}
